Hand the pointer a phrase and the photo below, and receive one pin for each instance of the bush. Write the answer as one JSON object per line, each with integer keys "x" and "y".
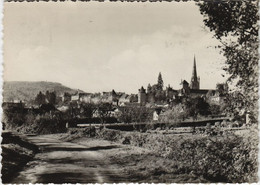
{"x": 42, "y": 124}
{"x": 225, "y": 158}
{"x": 135, "y": 114}
{"x": 109, "y": 134}
{"x": 90, "y": 131}
{"x": 126, "y": 141}
{"x": 176, "y": 114}
{"x": 220, "y": 159}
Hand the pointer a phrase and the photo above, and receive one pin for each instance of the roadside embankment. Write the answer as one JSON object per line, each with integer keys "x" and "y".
{"x": 217, "y": 156}
{"x": 16, "y": 152}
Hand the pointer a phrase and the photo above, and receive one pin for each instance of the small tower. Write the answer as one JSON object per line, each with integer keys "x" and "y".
{"x": 142, "y": 96}
{"x": 185, "y": 87}
{"x": 195, "y": 81}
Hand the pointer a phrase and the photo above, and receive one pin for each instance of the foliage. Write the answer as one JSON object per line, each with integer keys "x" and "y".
{"x": 87, "y": 109}
{"x": 40, "y": 99}
{"x": 191, "y": 107}
{"x": 16, "y": 152}
{"x": 235, "y": 25}
{"x": 51, "y": 97}
{"x": 226, "y": 158}
{"x": 197, "y": 106}
{"x": 111, "y": 135}
{"x": 176, "y": 114}
{"x": 43, "y": 124}
{"x": 103, "y": 110}
{"x": 160, "y": 96}
{"x": 221, "y": 159}
{"x": 160, "y": 82}
{"x": 12, "y": 120}
{"x": 135, "y": 114}
{"x": 31, "y": 121}
{"x": 149, "y": 88}
{"x": 215, "y": 109}
{"x": 47, "y": 98}
{"x": 13, "y": 116}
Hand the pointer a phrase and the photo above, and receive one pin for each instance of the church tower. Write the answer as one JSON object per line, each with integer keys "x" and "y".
{"x": 142, "y": 96}
{"x": 195, "y": 81}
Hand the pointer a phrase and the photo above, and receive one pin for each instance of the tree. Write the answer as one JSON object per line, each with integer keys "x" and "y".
{"x": 135, "y": 114}
{"x": 175, "y": 114}
{"x": 87, "y": 109}
{"x": 51, "y": 97}
{"x": 195, "y": 106}
{"x": 104, "y": 111}
{"x": 149, "y": 88}
{"x": 235, "y": 25}
{"x": 160, "y": 82}
{"x": 160, "y": 96}
{"x": 215, "y": 109}
{"x": 40, "y": 99}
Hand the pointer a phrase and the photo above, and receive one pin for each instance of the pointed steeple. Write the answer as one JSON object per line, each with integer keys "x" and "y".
{"x": 194, "y": 79}
{"x": 194, "y": 71}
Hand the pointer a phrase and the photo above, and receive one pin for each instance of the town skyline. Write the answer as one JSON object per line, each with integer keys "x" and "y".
{"x": 144, "y": 86}
{"x": 92, "y": 52}
{"x": 174, "y": 86}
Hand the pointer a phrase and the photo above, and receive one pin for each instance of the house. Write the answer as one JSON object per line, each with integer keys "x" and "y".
{"x": 85, "y": 97}
{"x": 123, "y": 99}
{"x": 75, "y": 97}
{"x": 66, "y": 97}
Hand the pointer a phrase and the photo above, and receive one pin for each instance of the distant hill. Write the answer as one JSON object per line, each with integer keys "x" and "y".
{"x": 27, "y": 91}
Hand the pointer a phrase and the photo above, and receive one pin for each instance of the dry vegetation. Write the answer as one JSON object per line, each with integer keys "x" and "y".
{"x": 16, "y": 152}
{"x": 158, "y": 157}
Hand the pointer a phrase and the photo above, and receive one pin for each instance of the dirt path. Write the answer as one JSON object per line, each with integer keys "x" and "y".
{"x": 64, "y": 162}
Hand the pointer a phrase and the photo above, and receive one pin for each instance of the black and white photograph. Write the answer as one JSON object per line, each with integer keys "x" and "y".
{"x": 130, "y": 92}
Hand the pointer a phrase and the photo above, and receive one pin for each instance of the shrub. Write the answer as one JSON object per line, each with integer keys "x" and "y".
{"x": 127, "y": 140}
{"x": 176, "y": 114}
{"x": 216, "y": 158}
{"x": 109, "y": 134}
{"x": 90, "y": 131}
{"x": 221, "y": 159}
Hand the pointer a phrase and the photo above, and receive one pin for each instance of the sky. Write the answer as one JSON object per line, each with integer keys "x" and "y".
{"x": 98, "y": 47}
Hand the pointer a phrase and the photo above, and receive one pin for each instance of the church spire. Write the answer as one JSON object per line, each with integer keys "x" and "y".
{"x": 195, "y": 84}
{"x": 194, "y": 71}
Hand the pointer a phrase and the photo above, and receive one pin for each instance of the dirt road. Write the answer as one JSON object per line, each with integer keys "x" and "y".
{"x": 65, "y": 162}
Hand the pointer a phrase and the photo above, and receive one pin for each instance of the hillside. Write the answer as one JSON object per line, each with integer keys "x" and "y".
{"x": 27, "y": 91}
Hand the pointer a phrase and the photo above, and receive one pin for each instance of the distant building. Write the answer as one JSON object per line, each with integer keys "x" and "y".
{"x": 110, "y": 97}
{"x": 66, "y": 98}
{"x": 192, "y": 90}
{"x": 185, "y": 88}
{"x": 142, "y": 96}
{"x": 75, "y": 97}
{"x": 170, "y": 92}
{"x": 126, "y": 99}
{"x": 85, "y": 97}
{"x": 195, "y": 81}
